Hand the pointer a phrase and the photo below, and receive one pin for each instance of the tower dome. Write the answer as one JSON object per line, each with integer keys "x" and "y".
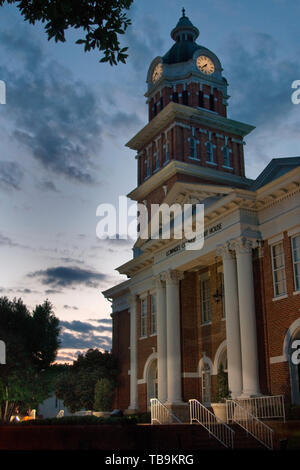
{"x": 184, "y": 34}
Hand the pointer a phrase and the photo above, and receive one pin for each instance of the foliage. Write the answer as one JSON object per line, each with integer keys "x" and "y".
{"x": 31, "y": 345}
{"x": 79, "y": 420}
{"x": 104, "y": 392}
{"x": 76, "y": 386}
{"x": 223, "y": 392}
{"x": 102, "y": 22}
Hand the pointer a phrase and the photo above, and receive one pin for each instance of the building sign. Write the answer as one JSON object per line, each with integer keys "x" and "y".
{"x": 182, "y": 246}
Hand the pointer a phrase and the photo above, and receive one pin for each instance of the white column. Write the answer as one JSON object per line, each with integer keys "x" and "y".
{"x": 132, "y": 300}
{"x": 243, "y": 248}
{"x": 234, "y": 355}
{"x": 174, "y": 394}
{"x": 161, "y": 340}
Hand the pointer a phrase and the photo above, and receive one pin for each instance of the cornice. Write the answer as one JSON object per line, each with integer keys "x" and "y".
{"x": 176, "y": 166}
{"x": 199, "y": 117}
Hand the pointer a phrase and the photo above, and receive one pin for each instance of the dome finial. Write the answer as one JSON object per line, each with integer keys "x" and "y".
{"x": 183, "y": 12}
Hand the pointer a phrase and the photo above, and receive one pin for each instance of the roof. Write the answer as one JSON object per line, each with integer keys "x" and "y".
{"x": 276, "y": 168}
{"x": 184, "y": 34}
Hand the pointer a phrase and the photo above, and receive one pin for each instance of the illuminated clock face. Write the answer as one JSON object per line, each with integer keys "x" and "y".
{"x": 157, "y": 72}
{"x": 205, "y": 64}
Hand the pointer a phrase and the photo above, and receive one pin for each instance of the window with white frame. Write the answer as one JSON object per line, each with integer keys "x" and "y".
{"x": 296, "y": 260}
{"x": 193, "y": 148}
{"x": 205, "y": 300}
{"x": 226, "y": 156}
{"x": 156, "y": 159}
{"x": 143, "y": 318}
{"x": 153, "y": 315}
{"x": 278, "y": 267}
{"x": 166, "y": 152}
{"x": 209, "y": 152}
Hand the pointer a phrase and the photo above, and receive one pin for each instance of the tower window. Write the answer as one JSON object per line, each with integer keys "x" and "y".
{"x": 185, "y": 97}
{"x": 147, "y": 168}
{"x": 201, "y": 99}
{"x": 156, "y": 158}
{"x": 166, "y": 152}
{"x": 155, "y": 109}
{"x": 193, "y": 149}
{"x": 226, "y": 156}
{"x": 161, "y": 103}
{"x": 209, "y": 152}
{"x": 211, "y": 102}
{"x": 175, "y": 97}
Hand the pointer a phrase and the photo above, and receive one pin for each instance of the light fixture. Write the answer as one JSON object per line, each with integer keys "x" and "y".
{"x": 218, "y": 294}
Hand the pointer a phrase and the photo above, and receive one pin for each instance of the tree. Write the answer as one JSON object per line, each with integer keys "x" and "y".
{"x": 104, "y": 393}
{"x": 76, "y": 387}
{"x": 31, "y": 344}
{"x": 101, "y": 20}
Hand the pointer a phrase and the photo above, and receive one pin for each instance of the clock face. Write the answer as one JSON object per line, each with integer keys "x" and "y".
{"x": 205, "y": 64}
{"x": 157, "y": 72}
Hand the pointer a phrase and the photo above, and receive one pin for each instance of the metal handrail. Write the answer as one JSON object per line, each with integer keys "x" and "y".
{"x": 241, "y": 416}
{"x": 214, "y": 425}
{"x": 267, "y": 407}
{"x": 161, "y": 414}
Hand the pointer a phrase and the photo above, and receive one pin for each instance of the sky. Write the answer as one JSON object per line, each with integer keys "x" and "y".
{"x": 64, "y": 128}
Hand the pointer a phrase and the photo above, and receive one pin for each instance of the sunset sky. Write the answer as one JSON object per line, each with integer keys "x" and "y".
{"x": 65, "y": 125}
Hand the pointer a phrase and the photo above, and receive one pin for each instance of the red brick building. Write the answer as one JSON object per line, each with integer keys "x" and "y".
{"x": 236, "y": 302}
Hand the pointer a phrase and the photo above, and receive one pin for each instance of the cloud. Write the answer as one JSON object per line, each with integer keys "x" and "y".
{"x": 64, "y": 276}
{"x": 11, "y": 175}
{"x": 54, "y": 116}
{"x": 69, "y": 307}
{"x": 85, "y": 327}
{"x": 260, "y": 80}
{"x": 48, "y": 186}
{"x": 84, "y": 341}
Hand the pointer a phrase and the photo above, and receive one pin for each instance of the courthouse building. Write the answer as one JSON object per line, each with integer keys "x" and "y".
{"x": 236, "y": 302}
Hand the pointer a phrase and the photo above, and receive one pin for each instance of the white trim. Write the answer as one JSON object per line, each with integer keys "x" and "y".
{"x": 289, "y": 335}
{"x": 219, "y": 352}
{"x": 275, "y": 239}
{"x": 191, "y": 375}
{"x": 151, "y": 358}
{"x": 296, "y": 292}
{"x": 280, "y": 297}
{"x": 294, "y": 231}
{"x": 277, "y": 359}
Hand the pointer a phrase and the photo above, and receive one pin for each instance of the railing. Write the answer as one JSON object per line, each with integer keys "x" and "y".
{"x": 215, "y": 426}
{"x": 161, "y": 414}
{"x": 264, "y": 407}
{"x": 241, "y": 416}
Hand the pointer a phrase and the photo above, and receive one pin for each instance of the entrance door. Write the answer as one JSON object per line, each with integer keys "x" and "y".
{"x": 152, "y": 381}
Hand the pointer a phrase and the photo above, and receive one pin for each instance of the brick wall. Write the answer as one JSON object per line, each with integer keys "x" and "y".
{"x": 120, "y": 349}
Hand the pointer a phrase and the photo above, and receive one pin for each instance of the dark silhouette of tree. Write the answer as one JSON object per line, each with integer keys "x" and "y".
{"x": 102, "y": 21}
{"x": 31, "y": 345}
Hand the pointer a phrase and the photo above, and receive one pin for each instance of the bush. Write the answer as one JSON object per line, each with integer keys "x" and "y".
{"x": 78, "y": 420}
{"x": 104, "y": 393}
{"x": 223, "y": 392}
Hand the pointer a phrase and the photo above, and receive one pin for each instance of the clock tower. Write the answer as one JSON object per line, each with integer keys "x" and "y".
{"x": 189, "y": 137}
